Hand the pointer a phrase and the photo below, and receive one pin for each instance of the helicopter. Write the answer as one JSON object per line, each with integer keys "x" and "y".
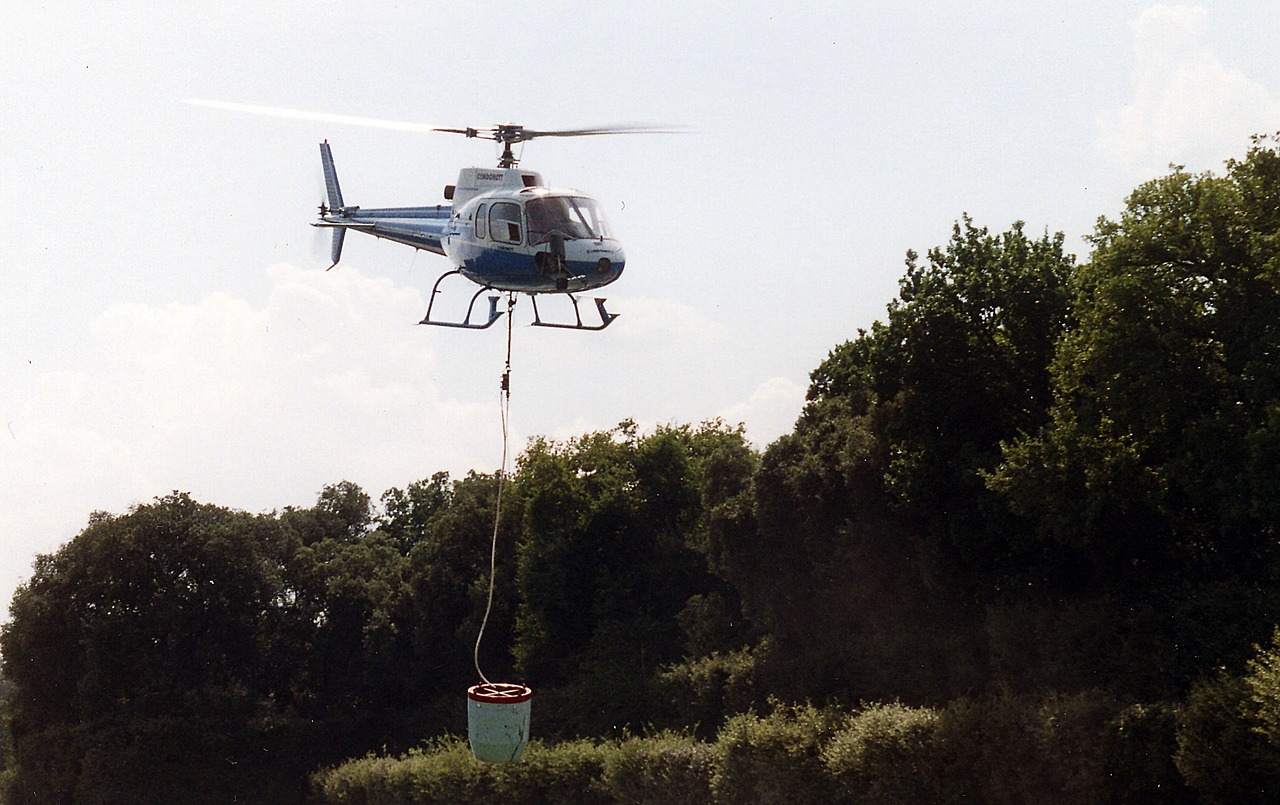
{"x": 503, "y": 228}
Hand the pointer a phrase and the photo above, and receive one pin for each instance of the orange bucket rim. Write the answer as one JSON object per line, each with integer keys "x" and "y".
{"x": 499, "y": 693}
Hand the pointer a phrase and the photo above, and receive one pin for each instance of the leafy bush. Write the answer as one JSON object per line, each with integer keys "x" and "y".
{"x": 1139, "y": 748}
{"x": 664, "y": 769}
{"x": 564, "y": 772}
{"x": 1263, "y": 681}
{"x": 1017, "y": 749}
{"x": 444, "y": 771}
{"x": 1075, "y": 749}
{"x": 1220, "y": 752}
{"x": 884, "y": 755}
{"x": 775, "y": 758}
{"x": 701, "y": 693}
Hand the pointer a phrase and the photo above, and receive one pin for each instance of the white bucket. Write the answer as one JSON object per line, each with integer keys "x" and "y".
{"x": 498, "y": 721}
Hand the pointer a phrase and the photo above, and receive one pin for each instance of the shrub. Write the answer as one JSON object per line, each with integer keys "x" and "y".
{"x": 444, "y": 771}
{"x": 564, "y": 772}
{"x": 1263, "y": 681}
{"x": 703, "y": 692}
{"x": 664, "y": 769}
{"x": 1003, "y": 749}
{"x": 1220, "y": 753}
{"x": 884, "y": 755}
{"x": 775, "y": 758}
{"x": 1138, "y": 749}
{"x": 1017, "y": 749}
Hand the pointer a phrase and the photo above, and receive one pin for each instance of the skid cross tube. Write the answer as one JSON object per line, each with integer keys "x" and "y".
{"x": 494, "y": 313}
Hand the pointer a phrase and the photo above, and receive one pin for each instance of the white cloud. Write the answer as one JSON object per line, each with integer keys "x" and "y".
{"x": 1187, "y": 105}
{"x": 253, "y": 406}
{"x": 770, "y": 411}
{"x": 667, "y": 319}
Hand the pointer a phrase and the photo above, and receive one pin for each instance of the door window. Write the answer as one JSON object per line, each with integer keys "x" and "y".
{"x": 504, "y": 222}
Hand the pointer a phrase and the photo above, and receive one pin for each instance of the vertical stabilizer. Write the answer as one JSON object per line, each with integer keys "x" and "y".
{"x": 335, "y": 199}
{"x": 331, "y": 178}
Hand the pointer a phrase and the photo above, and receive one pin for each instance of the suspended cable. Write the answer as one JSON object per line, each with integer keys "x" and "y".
{"x": 504, "y": 409}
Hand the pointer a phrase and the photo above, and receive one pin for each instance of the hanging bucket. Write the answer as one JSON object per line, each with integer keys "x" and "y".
{"x": 498, "y": 721}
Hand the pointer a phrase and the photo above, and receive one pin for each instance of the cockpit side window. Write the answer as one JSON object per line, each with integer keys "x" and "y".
{"x": 482, "y": 222}
{"x": 589, "y": 213}
{"x": 504, "y": 222}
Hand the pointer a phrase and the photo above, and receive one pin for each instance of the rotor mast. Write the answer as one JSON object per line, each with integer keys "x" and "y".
{"x": 507, "y": 135}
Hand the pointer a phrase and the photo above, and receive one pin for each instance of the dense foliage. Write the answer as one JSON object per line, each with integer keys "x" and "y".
{"x": 1000, "y": 749}
{"x": 1032, "y": 513}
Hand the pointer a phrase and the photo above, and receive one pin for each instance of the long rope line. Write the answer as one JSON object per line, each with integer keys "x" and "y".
{"x": 504, "y": 408}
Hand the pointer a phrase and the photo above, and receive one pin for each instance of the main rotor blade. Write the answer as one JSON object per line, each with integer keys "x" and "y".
{"x": 636, "y": 128}
{"x": 320, "y": 117}
{"x": 505, "y": 133}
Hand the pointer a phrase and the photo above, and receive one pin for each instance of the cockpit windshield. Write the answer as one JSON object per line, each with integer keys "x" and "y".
{"x": 572, "y": 217}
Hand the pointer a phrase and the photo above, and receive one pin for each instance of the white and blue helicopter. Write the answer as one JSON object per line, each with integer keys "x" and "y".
{"x": 503, "y": 228}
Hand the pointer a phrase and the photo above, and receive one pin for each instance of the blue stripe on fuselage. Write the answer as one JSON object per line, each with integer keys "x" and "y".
{"x": 517, "y": 271}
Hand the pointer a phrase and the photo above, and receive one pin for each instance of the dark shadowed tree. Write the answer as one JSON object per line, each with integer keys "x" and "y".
{"x": 868, "y": 541}
{"x": 144, "y": 658}
{"x": 1158, "y": 466}
{"x": 611, "y": 552}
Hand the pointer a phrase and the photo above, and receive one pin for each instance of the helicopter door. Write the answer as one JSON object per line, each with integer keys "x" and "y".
{"x": 504, "y": 222}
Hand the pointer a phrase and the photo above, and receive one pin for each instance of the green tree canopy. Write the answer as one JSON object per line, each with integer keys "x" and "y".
{"x": 160, "y": 622}
{"x": 960, "y": 364}
{"x": 610, "y": 553}
{"x": 868, "y": 532}
{"x": 1156, "y": 478}
{"x": 1162, "y": 450}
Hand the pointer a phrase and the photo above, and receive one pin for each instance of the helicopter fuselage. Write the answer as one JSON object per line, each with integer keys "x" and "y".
{"x": 534, "y": 240}
{"x": 504, "y": 231}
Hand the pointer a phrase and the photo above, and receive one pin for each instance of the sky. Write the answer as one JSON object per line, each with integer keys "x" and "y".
{"x": 169, "y": 323}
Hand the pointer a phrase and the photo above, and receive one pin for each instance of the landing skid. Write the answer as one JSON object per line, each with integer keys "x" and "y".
{"x": 606, "y": 318}
{"x": 494, "y": 313}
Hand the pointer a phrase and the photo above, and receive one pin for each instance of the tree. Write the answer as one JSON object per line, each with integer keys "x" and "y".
{"x": 184, "y": 650}
{"x": 1161, "y": 435}
{"x": 1157, "y": 468}
{"x": 161, "y": 622}
{"x": 343, "y": 512}
{"x": 409, "y": 511}
{"x": 869, "y": 538}
{"x": 961, "y": 364}
{"x": 610, "y": 554}
{"x": 448, "y": 578}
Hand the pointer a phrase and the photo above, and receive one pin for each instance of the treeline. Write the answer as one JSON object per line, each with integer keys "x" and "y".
{"x": 1033, "y": 482}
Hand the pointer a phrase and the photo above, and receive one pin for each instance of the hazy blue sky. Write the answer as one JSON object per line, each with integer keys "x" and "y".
{"x": 169, "y": 324}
